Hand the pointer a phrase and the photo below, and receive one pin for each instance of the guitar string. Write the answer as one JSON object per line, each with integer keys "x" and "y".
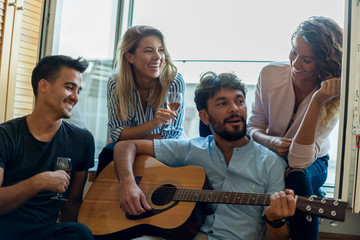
{"x": 205, "y": 195}
{"x": 184, "y": 193}
{"x": 165, "y": 191}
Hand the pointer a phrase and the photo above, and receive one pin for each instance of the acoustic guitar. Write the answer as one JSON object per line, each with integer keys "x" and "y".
{"x": 177, "y": 198}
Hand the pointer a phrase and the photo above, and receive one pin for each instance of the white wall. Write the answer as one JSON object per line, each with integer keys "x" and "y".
{"x": 350, "y": 226}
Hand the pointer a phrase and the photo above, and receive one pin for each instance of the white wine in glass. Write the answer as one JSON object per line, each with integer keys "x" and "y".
{"x": 173, "y": 103}
{"x": 62, "y": 163}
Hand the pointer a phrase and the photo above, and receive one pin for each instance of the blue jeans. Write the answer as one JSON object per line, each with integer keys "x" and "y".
{"x": 305, "y": 183}
{"x": 106, "y": 156}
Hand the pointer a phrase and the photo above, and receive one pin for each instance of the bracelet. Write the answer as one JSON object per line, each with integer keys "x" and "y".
{"x": 276, "y": 223}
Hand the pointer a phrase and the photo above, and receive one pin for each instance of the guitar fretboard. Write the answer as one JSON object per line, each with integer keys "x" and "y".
{"x": 211, "y": 196}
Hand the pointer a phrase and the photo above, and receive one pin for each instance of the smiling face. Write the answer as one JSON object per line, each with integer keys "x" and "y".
{"x": 226, "y": 114}
{"x": 63, "y": 94}
{"x": 147, "y": 60}
{"x": 304, "y": 64}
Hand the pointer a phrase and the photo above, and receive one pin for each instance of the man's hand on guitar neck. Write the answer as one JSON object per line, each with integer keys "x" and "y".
{"x": 132, "y": 199}
{"x": 282, "y": 204}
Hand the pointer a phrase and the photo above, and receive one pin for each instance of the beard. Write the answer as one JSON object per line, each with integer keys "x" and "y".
{"x": 223, "y": 132}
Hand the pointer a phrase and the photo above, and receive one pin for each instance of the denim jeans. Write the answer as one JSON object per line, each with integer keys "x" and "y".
{"x": 106, "y": 156}
{"x": 305, "y": 183}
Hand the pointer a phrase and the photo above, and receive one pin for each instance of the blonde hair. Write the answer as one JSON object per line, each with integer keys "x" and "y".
{"x": 125, "y": 82}
{"x": 325, "y": 37}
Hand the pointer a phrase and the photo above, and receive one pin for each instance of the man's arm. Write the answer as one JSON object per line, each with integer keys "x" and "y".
{"x": 12, "y": 197}
{"x": 132, "y": 199}
{"x": 70, "y": 210}
{"x": 154, "y": 136}
{"x": 281, "y": 205}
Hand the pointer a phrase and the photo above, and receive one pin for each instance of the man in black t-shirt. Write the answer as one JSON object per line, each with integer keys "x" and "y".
{"x": 29, "y": 147}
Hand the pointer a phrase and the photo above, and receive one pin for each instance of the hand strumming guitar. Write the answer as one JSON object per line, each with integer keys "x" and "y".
{"x": 132, "y": 199}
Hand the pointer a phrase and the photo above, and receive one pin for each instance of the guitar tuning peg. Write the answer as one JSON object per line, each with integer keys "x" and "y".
{"x": 308, "y": 218}
{"x": 333, "y": 224}
{"x": 311, "y": 198}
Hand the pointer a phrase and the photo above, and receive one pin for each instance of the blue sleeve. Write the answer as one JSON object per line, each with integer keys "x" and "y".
{"x": 276, "y": 175}
{"x": 172, "y": 152}
{"x": 178, "y": 85}
{"x": 115, "y": 125}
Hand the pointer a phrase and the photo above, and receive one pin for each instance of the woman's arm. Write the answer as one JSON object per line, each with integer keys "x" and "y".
{"x": 142, "y": 131}
{"x": 115, "y": 125}
{"x": 258, "y": 124}
{"x": 121, "y": 130}
{"x": 280, "y": 145}
{"x": 306, "y": 135}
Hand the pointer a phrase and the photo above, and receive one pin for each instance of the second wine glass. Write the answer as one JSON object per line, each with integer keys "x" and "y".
{"x": 173, "y": 103}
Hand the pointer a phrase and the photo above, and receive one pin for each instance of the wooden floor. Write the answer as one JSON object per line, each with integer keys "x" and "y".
{"x": 333, "y": 236}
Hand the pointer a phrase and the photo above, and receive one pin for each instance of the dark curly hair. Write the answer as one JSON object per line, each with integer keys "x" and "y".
{"x": 325, "y": 37}
{"x": 211, "y": 83}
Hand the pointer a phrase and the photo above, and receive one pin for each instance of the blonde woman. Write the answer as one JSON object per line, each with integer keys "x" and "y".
{"x": 137, "y": 94}
{"x": 296, "y": 107}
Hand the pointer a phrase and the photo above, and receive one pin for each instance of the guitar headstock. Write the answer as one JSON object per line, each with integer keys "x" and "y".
{"x": 322, "y": 207}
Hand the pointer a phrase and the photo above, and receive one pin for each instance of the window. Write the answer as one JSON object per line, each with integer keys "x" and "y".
{"x": 202, "y": 35}
{"x": 87, "y": 28}
{"x": 236, "y": 36}
{"x": 348, "y": 171}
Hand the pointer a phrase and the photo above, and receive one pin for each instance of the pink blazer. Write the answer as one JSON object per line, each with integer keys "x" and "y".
{"x": 272, "y": 111}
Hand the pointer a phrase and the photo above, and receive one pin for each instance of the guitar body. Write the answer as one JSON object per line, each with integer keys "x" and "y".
{"x": 178, "y": 202}
{"x": 101, "y": 211}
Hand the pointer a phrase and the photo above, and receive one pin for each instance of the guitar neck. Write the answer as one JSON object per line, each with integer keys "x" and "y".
{"x": 211, "y": 196}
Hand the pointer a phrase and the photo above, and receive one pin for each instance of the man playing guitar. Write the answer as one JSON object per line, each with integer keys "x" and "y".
{"x": 232, "y": 161}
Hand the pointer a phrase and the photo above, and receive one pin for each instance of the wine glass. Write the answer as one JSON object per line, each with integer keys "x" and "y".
{"x": 62, "y": 163}
{"x": 173, "y": 103}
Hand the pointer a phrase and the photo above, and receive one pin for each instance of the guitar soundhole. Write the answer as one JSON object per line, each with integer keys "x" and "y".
{"x": 163, "y": 195}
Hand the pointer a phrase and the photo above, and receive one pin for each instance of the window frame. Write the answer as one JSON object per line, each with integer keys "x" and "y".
{"x": 348, "y": 169}
{"x": 347, "y": 156}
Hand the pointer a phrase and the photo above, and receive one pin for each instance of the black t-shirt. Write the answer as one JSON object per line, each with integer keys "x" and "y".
{"x": 23, "y": 156}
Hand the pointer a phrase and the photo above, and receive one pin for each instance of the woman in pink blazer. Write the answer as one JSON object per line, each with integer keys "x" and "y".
{"x": 296, "y": 108}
